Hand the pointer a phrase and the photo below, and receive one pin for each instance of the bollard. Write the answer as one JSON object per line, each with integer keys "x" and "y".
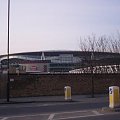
{"x": 67, "y": 90}
{"x": 114, "y": 100}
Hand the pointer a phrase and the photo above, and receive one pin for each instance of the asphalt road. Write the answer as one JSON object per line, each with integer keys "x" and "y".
{"x": 89, "y": 110}
{"x": 112, "y": 116}
{"x": 73, "y": 115}
{"x": 21, "y": 109}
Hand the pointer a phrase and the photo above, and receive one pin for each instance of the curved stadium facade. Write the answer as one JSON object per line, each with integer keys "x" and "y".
{"x": 55, "y": 61}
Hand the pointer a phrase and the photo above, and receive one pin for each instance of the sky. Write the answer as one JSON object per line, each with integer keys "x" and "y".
{"x": 37, "y": 25}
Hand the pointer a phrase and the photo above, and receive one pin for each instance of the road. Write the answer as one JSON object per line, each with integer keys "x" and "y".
{"x": 57, "y": 111}
{"x": 20, "y": 109}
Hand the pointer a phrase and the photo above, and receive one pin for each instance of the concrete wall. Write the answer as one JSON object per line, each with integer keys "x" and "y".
{"x": 53, "y": 84}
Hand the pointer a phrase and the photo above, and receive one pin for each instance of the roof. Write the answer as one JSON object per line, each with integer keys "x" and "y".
{"x": 58, "y": 52}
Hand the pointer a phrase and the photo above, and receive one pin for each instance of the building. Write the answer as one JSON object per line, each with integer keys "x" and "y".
{"x": 56, "y": 61}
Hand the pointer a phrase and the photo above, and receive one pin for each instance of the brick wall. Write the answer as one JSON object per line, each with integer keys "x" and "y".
{"x": 53, "y": 84}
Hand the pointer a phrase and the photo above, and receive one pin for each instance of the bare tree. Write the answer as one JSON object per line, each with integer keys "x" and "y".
{"x": 92, "y": 42}
{"x": 101, "y": 44}
{"x": 83, "y": 44}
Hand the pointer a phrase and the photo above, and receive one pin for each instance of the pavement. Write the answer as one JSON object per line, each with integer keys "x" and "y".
{"x": 50, "y": 99}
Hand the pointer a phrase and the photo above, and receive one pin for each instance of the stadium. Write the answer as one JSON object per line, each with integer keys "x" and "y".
{"x": 55, "y": 61}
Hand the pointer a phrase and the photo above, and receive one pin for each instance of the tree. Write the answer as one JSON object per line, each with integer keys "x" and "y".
{"x": 101, "y": 43}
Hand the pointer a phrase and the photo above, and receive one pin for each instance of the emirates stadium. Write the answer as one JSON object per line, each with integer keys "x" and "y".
{"x": 55, "y": 61}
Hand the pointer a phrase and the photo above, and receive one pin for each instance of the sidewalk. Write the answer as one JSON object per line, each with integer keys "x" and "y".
{"x": 49, "y": 99}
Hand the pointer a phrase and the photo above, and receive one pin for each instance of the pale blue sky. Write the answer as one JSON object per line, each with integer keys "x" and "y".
{"x": 56, "y": 24}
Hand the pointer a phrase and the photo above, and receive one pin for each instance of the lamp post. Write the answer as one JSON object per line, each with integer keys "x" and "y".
{"x": 8, "y": 77}
{"x": 92, "y": 80}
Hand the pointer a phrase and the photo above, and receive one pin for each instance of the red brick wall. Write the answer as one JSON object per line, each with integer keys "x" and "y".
{"x": 36, "y": 85}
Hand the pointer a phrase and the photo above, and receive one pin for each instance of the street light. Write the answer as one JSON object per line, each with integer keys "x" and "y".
{"x": 92, "y": 80}
{"x": 8, "y": 77}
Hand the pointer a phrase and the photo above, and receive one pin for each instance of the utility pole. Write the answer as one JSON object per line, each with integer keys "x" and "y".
{"x": 92, "y": 80}
{"x": 8, "y": 77}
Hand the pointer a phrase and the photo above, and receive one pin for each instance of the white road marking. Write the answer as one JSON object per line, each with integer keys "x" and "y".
{"x": 5, "y": 118}
{"x": 51, "y": 116}
{"x": 45, "y": 114}
{"x": 67, "y": 118}
{"x": 25, "y": 116}
{"x": 73, "y": 111}
{"x": 96, "y": 112}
